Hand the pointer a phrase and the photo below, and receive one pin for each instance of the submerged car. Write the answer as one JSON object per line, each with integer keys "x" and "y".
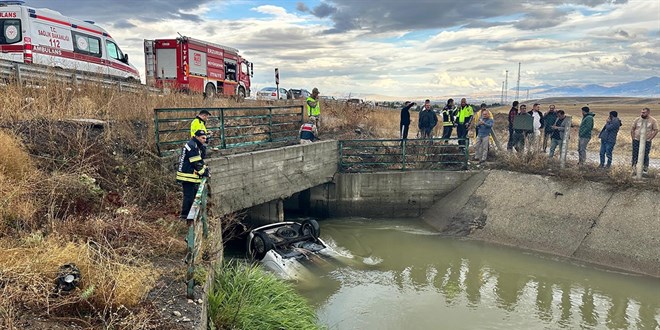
{"x": 290, "y": 249}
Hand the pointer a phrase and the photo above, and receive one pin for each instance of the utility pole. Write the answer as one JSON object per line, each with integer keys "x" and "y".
{"x": 528, "y": 94}
{"x": 518, "y": 85}
{"x": 502, "y": 97}
{"x": 506, "y": 88}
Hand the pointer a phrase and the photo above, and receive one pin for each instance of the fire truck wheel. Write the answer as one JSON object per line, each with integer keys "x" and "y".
{"x": 241, "y": 92}
{"x": 209, "y": 91}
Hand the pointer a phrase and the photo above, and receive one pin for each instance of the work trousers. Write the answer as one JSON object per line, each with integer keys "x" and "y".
{"x": 481, "y": 148}
{"x": 189, "y": 191}
{"x": 582, "y": 149}
{"x": 403, "y": 132}
{"x": 446, "y": 131}
{"x": 512, "y": 141}
{"x": 635, "y": 153}
{"x": 462, "y": 132}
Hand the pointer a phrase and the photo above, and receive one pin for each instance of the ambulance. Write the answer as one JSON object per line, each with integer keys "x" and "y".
{"x": 46, "y": 37}
{"x": 192, "y": 65}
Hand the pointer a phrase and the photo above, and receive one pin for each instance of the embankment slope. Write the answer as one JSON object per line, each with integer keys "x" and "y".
{"x": 588, "y": 221}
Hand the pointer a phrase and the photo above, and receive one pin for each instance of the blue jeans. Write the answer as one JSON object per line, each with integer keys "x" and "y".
{"x": 606, "y": 149}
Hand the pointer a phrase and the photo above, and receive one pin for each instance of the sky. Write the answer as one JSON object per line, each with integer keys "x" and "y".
{"x": 400, "y": 49}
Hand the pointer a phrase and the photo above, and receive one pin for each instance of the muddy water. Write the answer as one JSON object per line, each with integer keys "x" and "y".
{"x": 401, "y": 275}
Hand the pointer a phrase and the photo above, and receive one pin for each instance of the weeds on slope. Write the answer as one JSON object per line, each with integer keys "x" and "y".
{"x": 246, "y": 297}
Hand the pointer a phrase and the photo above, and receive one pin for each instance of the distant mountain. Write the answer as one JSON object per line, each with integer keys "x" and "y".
{"x": 645, "y": 88}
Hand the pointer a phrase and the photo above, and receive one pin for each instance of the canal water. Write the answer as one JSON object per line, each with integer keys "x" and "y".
{"x": 399, "y": 274}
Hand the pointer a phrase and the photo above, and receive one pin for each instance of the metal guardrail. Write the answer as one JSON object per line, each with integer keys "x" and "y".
{"x": 230, "y": 127}
{"x": 35, "y": 75}
{"x": 357, "y": 156}
{"x": 198, "y": 216}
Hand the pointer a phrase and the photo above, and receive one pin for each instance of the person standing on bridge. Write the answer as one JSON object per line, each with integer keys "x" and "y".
{"x": 199, "y": 123}
{"x": 608, "y": 138}
{"x": 191, "y": 170}
{"x": 308, "y": 131}
{"x": 484, "y": 129}
{"x": 448, "y": 119}
{"x": 651, "y": 132}
{"x": 463, "y": 120}
{"x": 314, "y": 106}
{"x": 404, "y": 123}
{"x": 584, "y": 134}
{"x": 427, "y": 120}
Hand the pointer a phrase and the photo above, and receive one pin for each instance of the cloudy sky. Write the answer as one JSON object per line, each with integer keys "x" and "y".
{"x": 400, "y": 48}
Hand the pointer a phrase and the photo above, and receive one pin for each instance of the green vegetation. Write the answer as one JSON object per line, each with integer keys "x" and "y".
{"x": 246, "y": 297}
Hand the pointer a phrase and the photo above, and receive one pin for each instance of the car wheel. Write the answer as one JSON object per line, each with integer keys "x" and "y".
{"x": 310, "y": 227}
{"x": 260, "y": 244}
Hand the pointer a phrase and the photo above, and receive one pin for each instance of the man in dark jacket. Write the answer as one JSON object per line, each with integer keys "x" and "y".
{"x": 404, "y": 123}
{"x": 549, "y": 119}
{"x": 608, "y": 138}
{"x": 512, "y": 114}
{"x": 427, "y": 120}
{"x": 191, "y": 170}
{"x": 584, "y": 134}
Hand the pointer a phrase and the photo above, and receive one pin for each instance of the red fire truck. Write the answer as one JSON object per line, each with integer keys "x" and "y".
{"x": 192, "y": 65}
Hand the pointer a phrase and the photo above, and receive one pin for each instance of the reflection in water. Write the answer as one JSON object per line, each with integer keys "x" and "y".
{"x": 423, "y": 280}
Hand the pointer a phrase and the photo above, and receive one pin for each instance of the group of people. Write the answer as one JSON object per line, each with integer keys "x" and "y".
{"x": 441, "y": 123}
{"x": 538, "y": 130}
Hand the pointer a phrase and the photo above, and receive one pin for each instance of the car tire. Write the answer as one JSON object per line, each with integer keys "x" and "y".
{"x": 310, "y": 227}
{"x": 260, "y": 245}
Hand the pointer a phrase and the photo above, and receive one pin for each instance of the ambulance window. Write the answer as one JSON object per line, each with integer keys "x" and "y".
{"x": 86, "y": 44}
{"x": 11, "y": 31}
{"x": 112, "y": 50}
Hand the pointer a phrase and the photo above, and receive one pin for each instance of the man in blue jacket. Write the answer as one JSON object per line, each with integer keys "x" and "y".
{"x": 608, "y": 138}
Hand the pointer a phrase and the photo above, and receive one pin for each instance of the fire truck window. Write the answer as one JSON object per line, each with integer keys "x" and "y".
{"x": 230, "y": 70}
{"x": 244, "y": 68}
{"x": 11, "y": 31}
{"x": 86, "y": 44}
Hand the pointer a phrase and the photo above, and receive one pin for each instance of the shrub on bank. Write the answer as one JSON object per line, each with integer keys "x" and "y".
{"x": 246, "y": 297}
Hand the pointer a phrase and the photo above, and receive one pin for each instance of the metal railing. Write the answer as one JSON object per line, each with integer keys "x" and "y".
{"x": 403, "y": 155}
{"x": 230, "y": 127}
{"x": 198, "y": 219}
{"x": 36, "y": 75}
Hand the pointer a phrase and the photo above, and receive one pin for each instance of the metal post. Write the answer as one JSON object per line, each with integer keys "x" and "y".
{"x": 157, "y": 132}
{"x": 19, "y": 78}
{"x": 564, "y": 142}
{"x": 403, "y": 154}
{"x": 341, "y": 155}
{"x": 205, "y": 223}
{"x": 642, "y": 149}
{"x": 222, "y": 128}
{"x": 467, "y": 152}
{"x": 270, "y": 124}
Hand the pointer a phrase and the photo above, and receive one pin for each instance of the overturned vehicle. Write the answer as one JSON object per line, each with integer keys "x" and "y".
{"x": 290, "y": 249}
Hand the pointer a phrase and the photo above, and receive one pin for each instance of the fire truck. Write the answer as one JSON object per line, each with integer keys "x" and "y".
{"x": 191, "y": 65}
{"x": 46, "y": 37}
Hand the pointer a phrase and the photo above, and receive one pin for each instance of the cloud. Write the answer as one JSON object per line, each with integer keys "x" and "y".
{"x": 111, "y": 11}
{"x": 396, "y": 15}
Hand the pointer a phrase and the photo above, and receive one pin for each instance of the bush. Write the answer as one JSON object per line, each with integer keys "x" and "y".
{"x": 246, "y": 297}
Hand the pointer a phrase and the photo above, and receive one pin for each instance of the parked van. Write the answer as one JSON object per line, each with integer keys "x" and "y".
{"x": 46, "y": 37}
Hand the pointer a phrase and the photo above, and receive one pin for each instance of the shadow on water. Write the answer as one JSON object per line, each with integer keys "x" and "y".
{"x": 403, "y": 275}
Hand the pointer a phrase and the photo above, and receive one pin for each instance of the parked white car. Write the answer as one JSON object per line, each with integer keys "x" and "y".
{"x": 270, "y": 93}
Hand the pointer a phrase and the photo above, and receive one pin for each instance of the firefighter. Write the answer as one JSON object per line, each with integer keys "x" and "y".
{"x": 463, "y": 120}
{"x": 199, "y": 123}
{"x": 191, "y": 170}
{"x": 448, "y": 118}
{"x": 313, "y": 106}
{"x": 308, "y": 131}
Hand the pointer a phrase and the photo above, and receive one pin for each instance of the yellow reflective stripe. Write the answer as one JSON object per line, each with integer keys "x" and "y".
{"x": 195, "y": 159}
{"x": 202, "y": 170}
{"x": 189, "y": 179}
{"x": 188, "y": 175}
